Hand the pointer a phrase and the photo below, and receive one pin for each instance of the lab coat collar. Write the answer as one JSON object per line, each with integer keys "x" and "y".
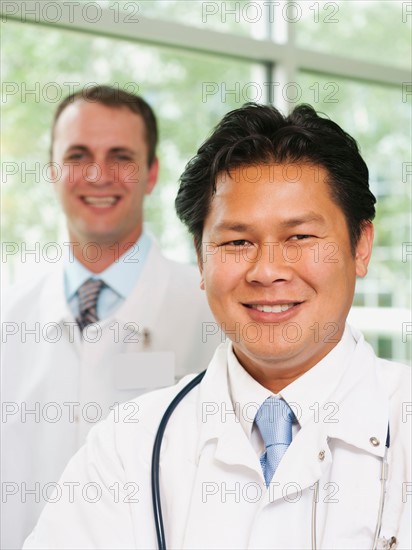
{"x": 363, "y": 405}
{"x": 363, "y": 414}
{"x": 303, "y": 395}
{"x": 247, "y": 395}
{"x": 308, "y": 394}
{"x": 142, "y": 308}
{"x": 219, "y": 425}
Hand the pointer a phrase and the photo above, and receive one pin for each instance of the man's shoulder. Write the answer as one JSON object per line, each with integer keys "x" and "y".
{"x": 396, "y": 377}
{"x": 180, "y": 268}
{"x": 393, "y": 375}
{"x": 182, "y": 278}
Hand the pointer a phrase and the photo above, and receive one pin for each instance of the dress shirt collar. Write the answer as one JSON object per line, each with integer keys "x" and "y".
{"x": 246, "y": 393}
{"x": 121, "y": 276}
{"x": 306, "y": 395}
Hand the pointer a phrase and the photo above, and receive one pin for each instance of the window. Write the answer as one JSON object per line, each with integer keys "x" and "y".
{"x": 189, "y": 92}
{"x": 194, "y": 61}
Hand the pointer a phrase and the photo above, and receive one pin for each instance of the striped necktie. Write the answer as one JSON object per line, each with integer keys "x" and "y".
{"x": 274, "y": 420}
{"x": 88, "y": 294}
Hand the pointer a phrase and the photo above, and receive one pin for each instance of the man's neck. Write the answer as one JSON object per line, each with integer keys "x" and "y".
{"x": 275, "y": 379}
{"x": 96, "y": 257}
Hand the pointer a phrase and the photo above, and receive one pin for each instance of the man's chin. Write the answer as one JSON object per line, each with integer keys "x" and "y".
{"x": 269, "y": 353}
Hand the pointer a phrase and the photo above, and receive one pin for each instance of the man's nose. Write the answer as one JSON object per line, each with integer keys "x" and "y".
{"x": 99, "y": 173}
{"x": 270, "y": 265}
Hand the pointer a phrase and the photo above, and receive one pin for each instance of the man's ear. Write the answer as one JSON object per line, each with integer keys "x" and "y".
{"x": 200, "y": 265}
{"x": 363, "y": 250}
{"x": 152, "y": 176}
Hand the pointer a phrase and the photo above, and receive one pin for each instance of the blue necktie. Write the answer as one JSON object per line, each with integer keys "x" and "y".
{"x": 274, "y": 420}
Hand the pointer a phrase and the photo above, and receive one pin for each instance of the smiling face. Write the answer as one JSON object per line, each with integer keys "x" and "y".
{"x": 102, "y": 175}
{"x": 278, "y": 268}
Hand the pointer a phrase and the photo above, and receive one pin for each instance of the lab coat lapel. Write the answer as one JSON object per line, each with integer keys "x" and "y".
{"x": 233, "y": 452}
{"x": 134, "y": 335}
{"x": 229, "y": 476}
{"x": 225, "y": 463}
{"x": 149, "y": 294}
{"x": 217, "y": 418}
{"x": 362, "y": 402}
{"x": 221, "y": 503}
{"x": 142, "y": 308}
{"x": 55, "y": 308}
{"x": 305, "y": 462}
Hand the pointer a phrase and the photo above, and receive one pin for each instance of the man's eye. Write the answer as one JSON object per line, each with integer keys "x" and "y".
{"x": 300, "y": 237}
{"x": 75, "y": 156}
{"x": 237, "y": 242}
{"x": 124, "y": 158}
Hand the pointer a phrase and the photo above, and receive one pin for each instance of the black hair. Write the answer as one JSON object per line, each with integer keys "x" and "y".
{"x": 260, "y": 134}
{"x": 116, "y": 98}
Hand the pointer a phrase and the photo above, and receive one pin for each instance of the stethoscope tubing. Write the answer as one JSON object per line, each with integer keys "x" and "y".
{"x": 155, "y": 478}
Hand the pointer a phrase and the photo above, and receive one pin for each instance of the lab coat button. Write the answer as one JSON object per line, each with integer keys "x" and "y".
{"x": 374, "y": 441}
{"x": 321, "y": 455}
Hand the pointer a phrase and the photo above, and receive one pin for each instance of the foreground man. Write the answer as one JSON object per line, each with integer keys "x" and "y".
{"x": 297, "y": 429}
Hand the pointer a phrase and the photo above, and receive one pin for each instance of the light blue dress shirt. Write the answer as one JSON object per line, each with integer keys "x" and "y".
{"x": 120, "y": 278}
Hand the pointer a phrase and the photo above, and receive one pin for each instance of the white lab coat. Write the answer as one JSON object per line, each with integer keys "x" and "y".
{"x": 212, "y": 487}
{"x": 71, "y": 384}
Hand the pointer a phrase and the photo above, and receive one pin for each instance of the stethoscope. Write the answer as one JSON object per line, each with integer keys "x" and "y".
{"x": 157, "y": 506}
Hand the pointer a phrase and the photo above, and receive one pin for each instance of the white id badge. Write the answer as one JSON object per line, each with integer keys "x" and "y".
{"x": 145, "y": 370}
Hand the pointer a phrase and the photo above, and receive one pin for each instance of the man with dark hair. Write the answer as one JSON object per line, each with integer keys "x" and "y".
{"x": 259, "y": 135}
{"x": 116, "y": 320}
{"x": 297, "y": 436}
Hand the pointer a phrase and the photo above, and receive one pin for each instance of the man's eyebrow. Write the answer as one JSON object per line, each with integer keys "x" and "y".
{"x": 112, "y": 150}
{"x": 122, "y": 150}
{"x": 80, "y": 147}
{"x": 301, "y": 220}
{"x": 233, "y": 226}
{"x": 292, "y": 222}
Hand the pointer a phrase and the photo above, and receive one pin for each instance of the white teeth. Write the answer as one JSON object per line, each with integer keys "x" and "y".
{"x": 100, "y": 202}
{"x": 273, "y": 309}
